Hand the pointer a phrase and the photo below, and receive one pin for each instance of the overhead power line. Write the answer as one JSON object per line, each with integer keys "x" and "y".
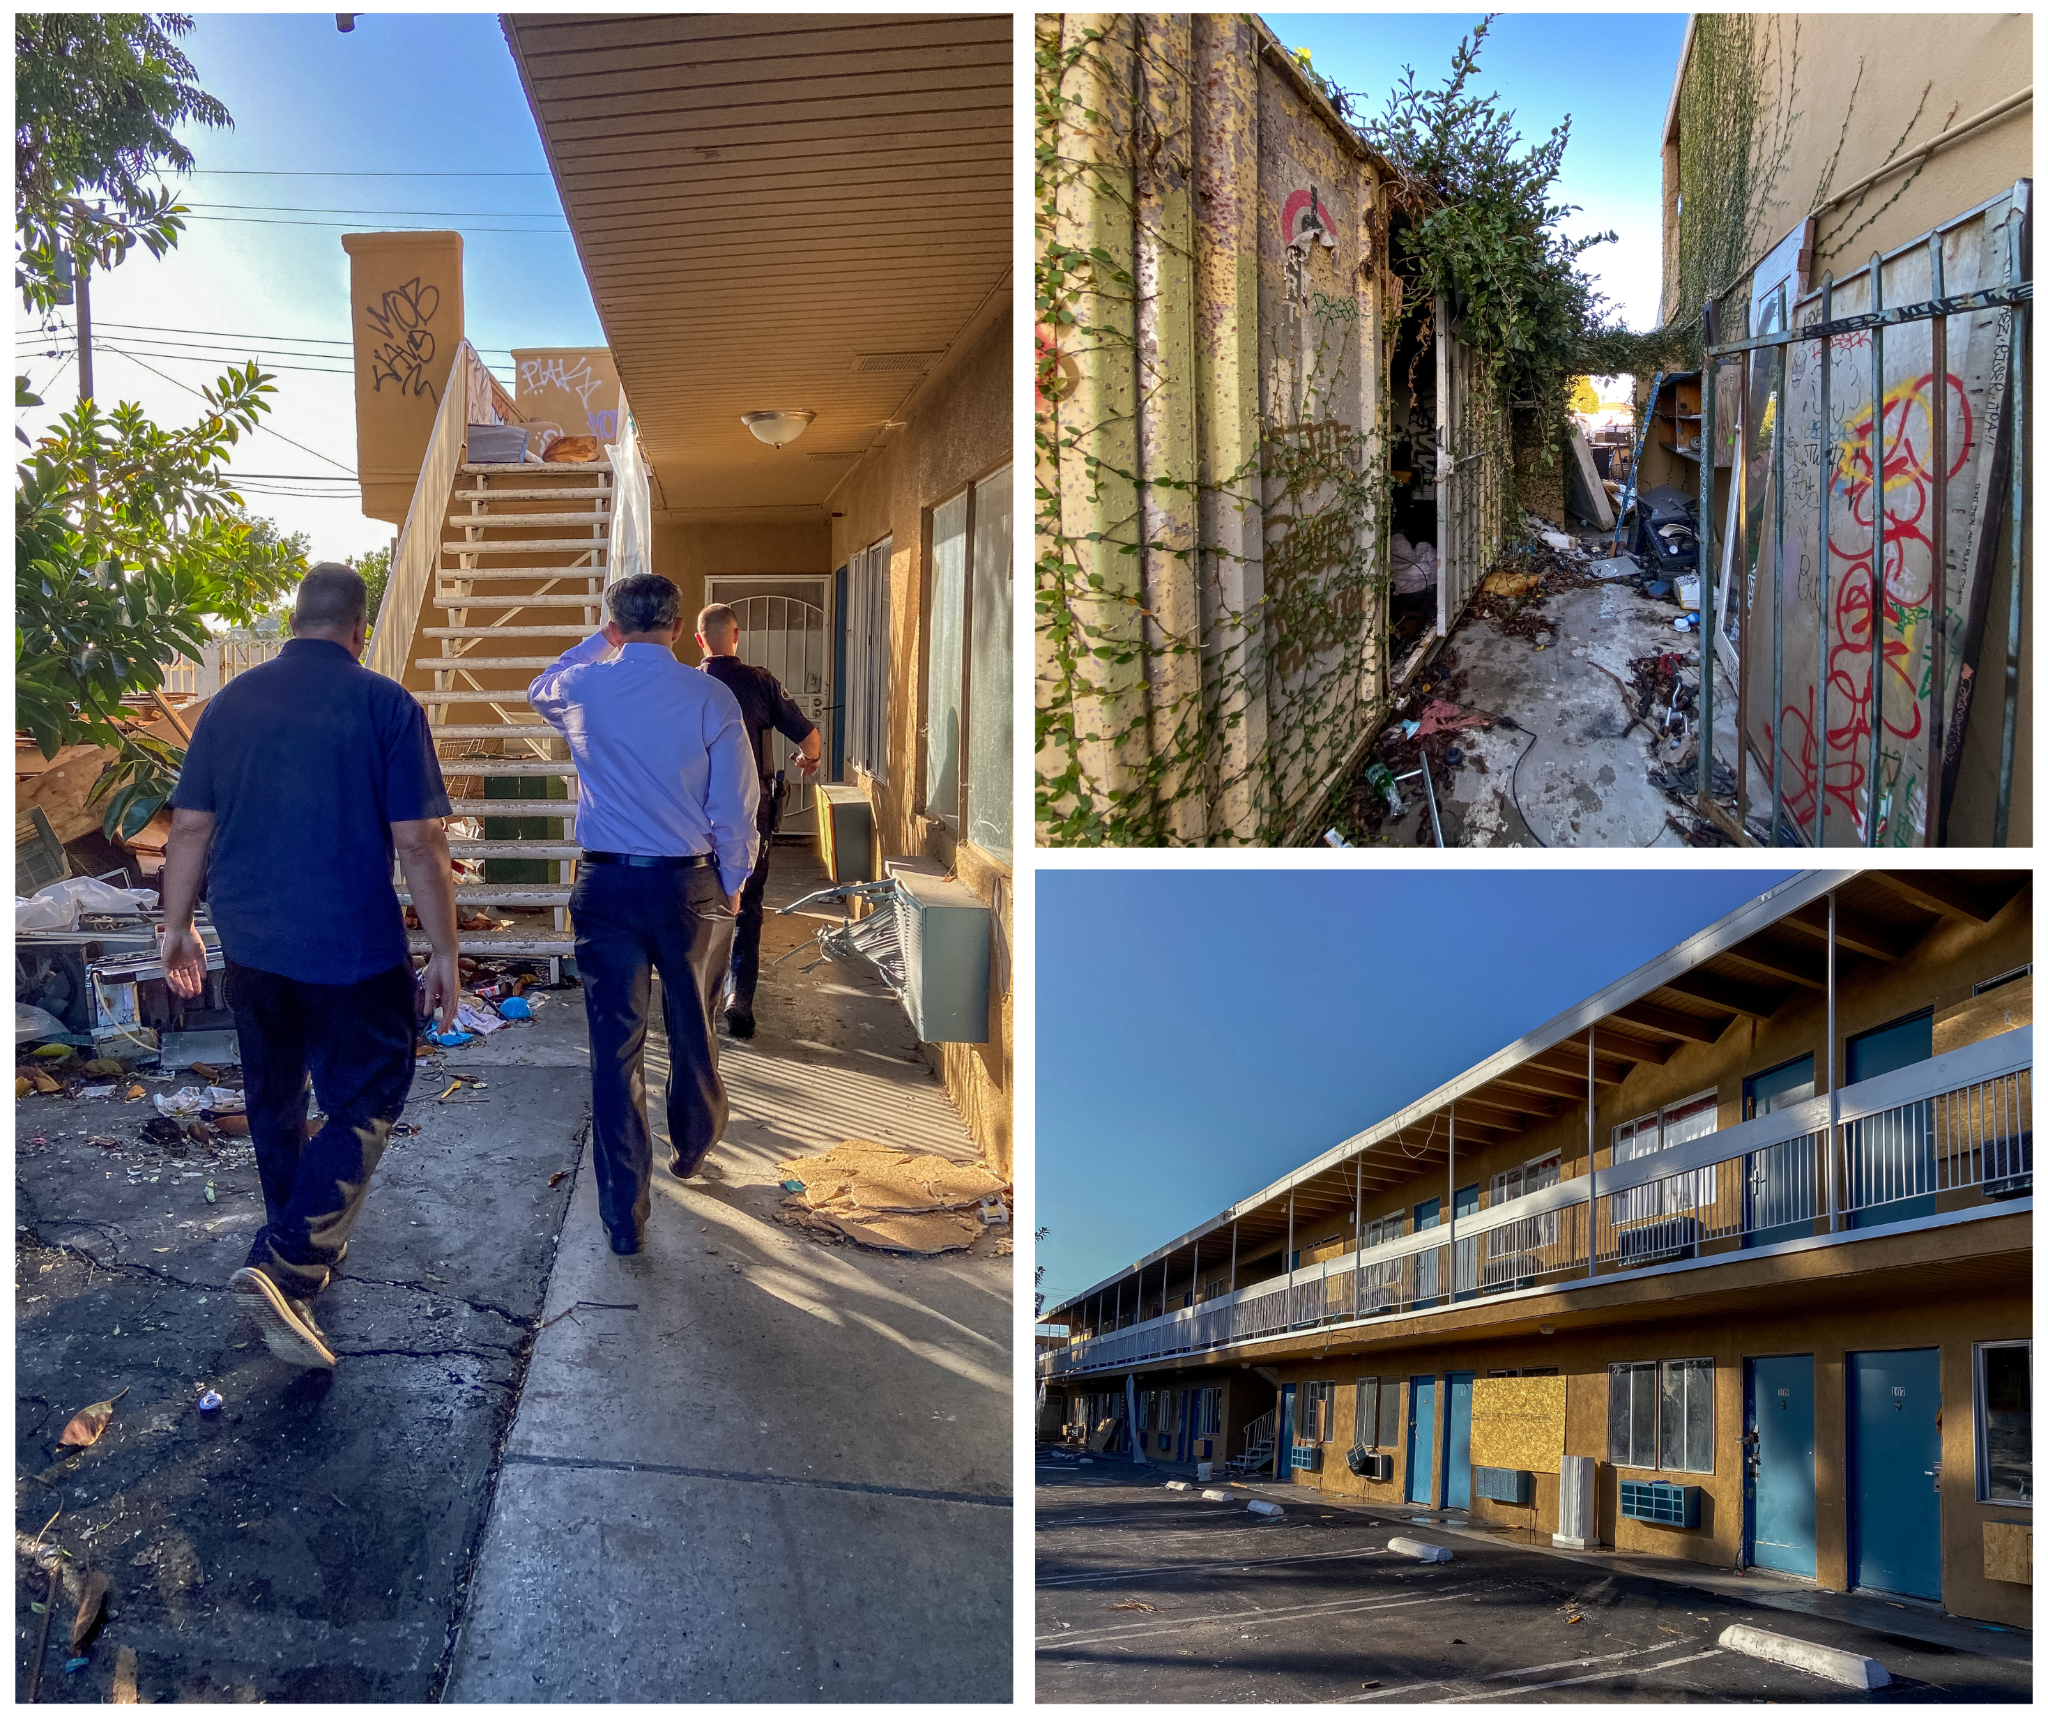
{"x": 243, "y": 334}
{"x": 466, "y": 214}
{"x": 267, "y": 430}
{"x": 326, "y": 173}
{"x": 258, "y": 221}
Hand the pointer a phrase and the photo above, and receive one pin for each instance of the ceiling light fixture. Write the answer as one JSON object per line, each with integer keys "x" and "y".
{"x": 777, "y": 428}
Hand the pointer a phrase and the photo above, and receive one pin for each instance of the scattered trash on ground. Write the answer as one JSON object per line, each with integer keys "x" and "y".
{"x": 210, "y": 1401}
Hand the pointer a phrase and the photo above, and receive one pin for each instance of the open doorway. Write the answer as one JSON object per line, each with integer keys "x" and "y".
{"x": 785, "y": 628}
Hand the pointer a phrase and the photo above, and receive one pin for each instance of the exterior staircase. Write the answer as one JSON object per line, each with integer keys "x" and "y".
{"x": 524, "y": 555}
{"x": 1259, "y": 1436}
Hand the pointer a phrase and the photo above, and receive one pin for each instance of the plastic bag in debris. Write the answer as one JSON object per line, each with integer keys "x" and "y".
{"x": 33, "y": 1023}
{"x": 1414, "y": 565}
{"x": 58, "y": 906}
{"x": 476, "y": 1017}
{"x": 192, "y": 1098}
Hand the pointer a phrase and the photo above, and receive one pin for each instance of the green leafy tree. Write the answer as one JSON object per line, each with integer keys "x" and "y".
{"x": 376, "y": 570}
{"x": 96, "y": 97}
{"x": 127, "y": 537}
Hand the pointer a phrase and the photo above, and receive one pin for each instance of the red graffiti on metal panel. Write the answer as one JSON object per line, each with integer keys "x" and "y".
{"x": 1908, "y": 584}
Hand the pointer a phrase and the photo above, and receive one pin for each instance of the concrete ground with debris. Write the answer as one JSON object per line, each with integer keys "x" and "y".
{"x": 749, "y": 1464}
{"x": 318, "y": 1538}
{"x": 1150, "y": 1595}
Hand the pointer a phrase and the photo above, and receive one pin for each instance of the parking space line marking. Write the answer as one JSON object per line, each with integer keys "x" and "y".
{"x": 1578, "y": 1662}
{"x": 1341, "y": 1606}
{"x": 1207, "y": 1567}
{"x": 1574, "y": 1680}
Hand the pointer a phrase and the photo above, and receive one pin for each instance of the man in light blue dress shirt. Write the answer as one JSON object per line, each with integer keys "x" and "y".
{"x": 666, "y": 815}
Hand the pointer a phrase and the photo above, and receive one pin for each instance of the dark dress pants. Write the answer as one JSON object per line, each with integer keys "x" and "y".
{"x": 352, "y": 1046}
{"x": 630, "y": 923}
{"x": 746, "y": 934}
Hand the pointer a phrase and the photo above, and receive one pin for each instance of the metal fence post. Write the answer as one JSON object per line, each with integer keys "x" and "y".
{"x": 1779, "y": 430}
{"x": 1937, "y": 594}
{"x": 1705, "y": 538}
{"x": 1876, "y": 548}
{"x": 2018, "y": 555}
{"x": 1827, "y": 489}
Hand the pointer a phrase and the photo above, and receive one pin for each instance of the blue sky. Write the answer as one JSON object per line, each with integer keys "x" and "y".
{"x": 1611, "y": 71}
{"x": 1201, "y": 1032}
{"x": 402, "y": 94}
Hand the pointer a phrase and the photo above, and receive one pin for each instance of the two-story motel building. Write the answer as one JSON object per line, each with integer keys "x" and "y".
{"x": 1731, "y": 1262}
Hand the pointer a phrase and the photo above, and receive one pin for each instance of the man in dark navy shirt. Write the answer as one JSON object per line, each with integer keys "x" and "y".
{"x": 764, "y": 705}
{"x": 303, "y": 777}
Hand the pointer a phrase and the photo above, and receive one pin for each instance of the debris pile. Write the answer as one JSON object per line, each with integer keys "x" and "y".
{"x": 891, "y": 1199}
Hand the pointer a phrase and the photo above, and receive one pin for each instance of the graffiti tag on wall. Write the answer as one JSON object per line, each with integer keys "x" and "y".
{"x": 406, "y": 354}
{"x": 575, "y": 378}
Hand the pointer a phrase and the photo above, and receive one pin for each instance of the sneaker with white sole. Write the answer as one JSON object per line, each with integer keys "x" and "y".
{"x": 287, "y": 1330}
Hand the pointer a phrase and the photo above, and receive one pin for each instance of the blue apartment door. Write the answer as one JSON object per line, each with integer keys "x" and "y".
{"x": 1894, "y": 1469}
{"x": 1284, "y": 1455}
{"x": 1428, "y": 1214}
{"x": 1180, "y": 1450}
{"x": 1776, "y": 1194}
{"x": 1890, "y": 1156}
{"x": 1458, "y": 1444}
{"x": 1422, "y": 1441}
{"x": 1778, "y": 1439}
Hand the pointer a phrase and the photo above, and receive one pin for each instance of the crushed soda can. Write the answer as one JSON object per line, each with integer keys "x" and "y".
{"x": 210, "y": 1401}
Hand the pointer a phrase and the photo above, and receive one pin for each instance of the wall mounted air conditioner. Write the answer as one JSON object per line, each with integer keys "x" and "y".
{"x": 1371, "y": 1464}
{"x": 1673, "y": 1237}
{"x": 1503, "y": 1484}
{"x": 1305, "y": 1458}
{"x": 1660, "y": 1504}
{"x": 944, "y": 933}
{"x": 846, "y": 833}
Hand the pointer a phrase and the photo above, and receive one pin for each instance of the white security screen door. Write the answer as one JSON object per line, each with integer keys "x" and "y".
{"x": 783, "y": 629}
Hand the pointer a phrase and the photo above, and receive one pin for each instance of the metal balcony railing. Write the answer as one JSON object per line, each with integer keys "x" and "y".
{"x": 1941, "y": 1136}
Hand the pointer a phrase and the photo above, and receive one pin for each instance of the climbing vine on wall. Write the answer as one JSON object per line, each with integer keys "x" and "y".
{"x": 1207, "y": 640}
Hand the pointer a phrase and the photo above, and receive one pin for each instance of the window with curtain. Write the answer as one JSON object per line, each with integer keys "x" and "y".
{"x": 1660, "y": 1415}
{"x": 2005, "y": 1421}
{"x": 968, "y": 773}
{"x": 866, "y": 692}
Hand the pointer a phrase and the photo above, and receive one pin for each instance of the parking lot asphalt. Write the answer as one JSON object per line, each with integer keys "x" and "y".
{"x": 1150, "y": 1595}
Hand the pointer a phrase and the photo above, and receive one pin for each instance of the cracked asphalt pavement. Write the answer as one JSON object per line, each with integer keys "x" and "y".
{"x": 313, "y": 1539}
{"x": 1148, "y": 1595}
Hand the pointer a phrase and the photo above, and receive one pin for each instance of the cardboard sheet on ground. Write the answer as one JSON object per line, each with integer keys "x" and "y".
{"x": 901, "y": 1201}
{"x": 1827, "y": 752}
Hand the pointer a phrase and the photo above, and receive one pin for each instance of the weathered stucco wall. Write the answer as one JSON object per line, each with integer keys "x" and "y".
{"x": 958, "y": 431}
{"x": 690, "y": 550}
{"x": 405, "y": 307}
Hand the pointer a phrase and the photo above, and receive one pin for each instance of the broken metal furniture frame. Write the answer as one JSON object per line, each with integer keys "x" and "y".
{"x": 2012, "y": 297}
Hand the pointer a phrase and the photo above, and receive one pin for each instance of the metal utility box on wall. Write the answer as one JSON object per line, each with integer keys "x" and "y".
{"x": 943, "y": 931}
{"x": 846, "y": 833}
{"x": 1504, "y": 1484}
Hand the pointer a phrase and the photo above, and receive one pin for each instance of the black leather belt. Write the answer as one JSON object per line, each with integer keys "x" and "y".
{"x": 640, "y": 861}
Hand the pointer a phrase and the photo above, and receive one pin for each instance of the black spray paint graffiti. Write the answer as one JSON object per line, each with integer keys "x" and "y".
{"x": 407, "y": 354}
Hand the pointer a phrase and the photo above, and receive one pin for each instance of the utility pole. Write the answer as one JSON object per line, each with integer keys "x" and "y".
{"x": 82, "y": 259}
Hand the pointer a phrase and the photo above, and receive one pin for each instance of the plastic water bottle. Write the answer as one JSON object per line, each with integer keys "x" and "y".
{"x": 1381, "y": 780}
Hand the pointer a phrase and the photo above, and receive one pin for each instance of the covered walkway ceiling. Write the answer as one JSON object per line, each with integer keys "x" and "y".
{"x": 775, "y": 212}
{"x": 1745, "y": 966}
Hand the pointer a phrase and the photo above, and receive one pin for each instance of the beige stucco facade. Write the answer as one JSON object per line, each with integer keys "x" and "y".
{"x": 405, "y": 307}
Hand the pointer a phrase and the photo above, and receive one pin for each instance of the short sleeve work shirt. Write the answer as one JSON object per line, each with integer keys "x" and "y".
{"x": 763, "y": 705}
{"x": 305, "y": 763}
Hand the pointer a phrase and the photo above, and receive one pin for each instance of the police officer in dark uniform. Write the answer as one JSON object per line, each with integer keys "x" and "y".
{"x": 763, "y": 705}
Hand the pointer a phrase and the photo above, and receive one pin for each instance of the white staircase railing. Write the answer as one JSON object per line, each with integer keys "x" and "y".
{"x": 470, "y": 388}
{"x": 1258, "y": 1443}
{"x": 632, "y": 539}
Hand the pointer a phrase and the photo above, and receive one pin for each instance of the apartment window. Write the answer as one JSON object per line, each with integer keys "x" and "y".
{"x": 1531, "y": 1176}
{"x": 1328, "y": 1247}
{"x": 1376, "y": 1413}
{"x": 867, "y": 660}
{"x": 1660, "y": 1415}
{"x": 2005, "y": 1421}
{"x": 1208, "y": 1412}
{"x": 1674, "y": 1124}
{"x": 1315, "y": 1412}
{"x": 968, "y": 770}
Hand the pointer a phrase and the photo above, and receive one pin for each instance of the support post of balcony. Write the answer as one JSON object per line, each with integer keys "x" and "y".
{"x": 1290, "y": 1257}
{"x": 1233, "y": 1257}
{"x": 1357, "y": 1236}
{"x": 1592, "y": 1172}
{"x": 1451, "y": 1206}
{"x": 1834, "y": 1081}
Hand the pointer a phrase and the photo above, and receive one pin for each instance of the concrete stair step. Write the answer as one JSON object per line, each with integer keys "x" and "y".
{"x": 594, "y": 599}
{"x": 585, "y": 468}
{"x": 504, "y": 766}
{"x": 509, "y": 944}
{"x": 511, "y": 697}
{"x": 585, "y": 573}
{"x": 562, "y": 808}
{"x": 514, "y": 849}
{"x": 564, "y": 630}
{"x": 537, "y": 545}
{"x": 564, "y": 494}
{"x": 526, "y": 895}
{"x": 487, "y": 521}
{"x": 494, "y": 730}
{"x": 448, "y": 664}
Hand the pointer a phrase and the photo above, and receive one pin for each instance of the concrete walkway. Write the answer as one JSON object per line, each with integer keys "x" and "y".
{"x": 745, "y": 1464}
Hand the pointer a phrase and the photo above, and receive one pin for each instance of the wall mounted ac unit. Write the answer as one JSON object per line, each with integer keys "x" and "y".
{"x": 1305, "y": 1458}
{"x": 944, "y": 933}
{"x": 1674, "y": 1237}
{"x": 1376, "y": 1465}
{"x": 1660, "y": 1504}
{"x": 846, "y": 833}
{"x": 1503, "y": 1484}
